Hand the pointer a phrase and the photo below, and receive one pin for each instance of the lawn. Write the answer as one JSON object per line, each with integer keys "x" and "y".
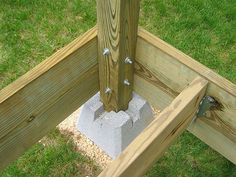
{"x": 31, "y": 30}
{"x": 55, "y": 155}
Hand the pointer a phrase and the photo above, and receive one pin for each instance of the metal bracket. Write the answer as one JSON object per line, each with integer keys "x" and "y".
{"x": 206, "y": 104}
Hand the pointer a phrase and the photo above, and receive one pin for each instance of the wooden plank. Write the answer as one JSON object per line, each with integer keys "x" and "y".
{"x": 117, "y": 31}
{"x": 168, "y": 67}
{"x": 158, "y": 98}
{"x": 199, "y": 128}
{"x": 214, "y": 139}
{"x": 34, "y": 104}
{"x": 158, "y": 136}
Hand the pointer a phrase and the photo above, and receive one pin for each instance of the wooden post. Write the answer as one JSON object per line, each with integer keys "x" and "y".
{"x": 117, "y": 36}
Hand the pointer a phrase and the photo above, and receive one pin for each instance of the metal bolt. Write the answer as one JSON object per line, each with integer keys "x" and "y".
{"x": 128, "y": 61}
{"x": 210, "y": 99}
{"x": 106, "y": 51}
{"x": 108, "y": 90}
{"x": 126, "y": 82}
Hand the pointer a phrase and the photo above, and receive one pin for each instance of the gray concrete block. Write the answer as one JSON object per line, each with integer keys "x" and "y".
{"x": 112, "y": 131}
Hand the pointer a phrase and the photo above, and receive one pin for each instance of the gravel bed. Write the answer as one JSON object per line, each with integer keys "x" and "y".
{"x": 84, "y": 145}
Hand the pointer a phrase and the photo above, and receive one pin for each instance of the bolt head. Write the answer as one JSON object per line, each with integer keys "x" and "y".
{"x": 108, "y": 91}
{"x": 106, "y": 51}
{"x": 128, "y": 61}
{"x": 210, "y": 99}
{"x": 126, "y": 82}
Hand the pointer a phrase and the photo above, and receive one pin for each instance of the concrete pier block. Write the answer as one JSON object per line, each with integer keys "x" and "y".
{"x": 112, "y": 131}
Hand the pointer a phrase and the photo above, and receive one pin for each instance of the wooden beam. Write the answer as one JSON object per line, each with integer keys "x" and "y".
{"x": 157, "y": 137}
{"x": 214, "y": 138}
{"x": 117, "y": 31}
{"x": 167, "y": 71}
{"x": 200, "y": 128}
{"x": 35, "y": 103}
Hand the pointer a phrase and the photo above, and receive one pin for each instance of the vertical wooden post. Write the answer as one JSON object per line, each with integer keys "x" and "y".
{"x": 117, "y": 36}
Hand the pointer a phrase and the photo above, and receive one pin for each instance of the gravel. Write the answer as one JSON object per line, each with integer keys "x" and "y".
{"x": 84, "y": 145}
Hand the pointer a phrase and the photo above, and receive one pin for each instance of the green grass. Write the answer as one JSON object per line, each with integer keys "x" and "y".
{"x": 192, "y": 158}
{"x": 55, "y": 156}
{"x": 31, "y": 30}
{"x": 203, "y": 29}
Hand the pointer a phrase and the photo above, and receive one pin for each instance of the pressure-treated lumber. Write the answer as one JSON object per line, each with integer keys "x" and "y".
{"x": 164, "y": 71}
{"x": 117, "y": 31}
{"x": 34, "y": 104}
{"x": 31, "y": 106}
{"x": 214, "y": 139}
{"x": 157, "y": 137}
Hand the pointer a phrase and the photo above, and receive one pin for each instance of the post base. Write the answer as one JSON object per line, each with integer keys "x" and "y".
{"x": 112, "y": 131}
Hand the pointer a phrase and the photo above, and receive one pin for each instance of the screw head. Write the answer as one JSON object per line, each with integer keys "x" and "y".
{"x": 128, "y": 61}
{"x": 108, "y": 90}
{"x": 210, "y": 99}
{"x": 106, "y": 51}
{"x": 126, "y": 82}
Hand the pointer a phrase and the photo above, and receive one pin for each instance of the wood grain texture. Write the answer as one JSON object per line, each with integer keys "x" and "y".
{"x": 215, "y": 139}
{"x": 158, "y": 98}
{"x": 157, "y": 137}
{"x": 175, "y": 70}
{"x": 34, "y": 104}
{"x": 200, "y": 128}
{"x": 117, "y": 31}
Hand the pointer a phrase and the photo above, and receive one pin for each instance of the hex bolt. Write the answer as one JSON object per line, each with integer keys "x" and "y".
{"x": 126, "y": 82}
{"x": 108, "y": 90}
{"x": 106, "y": 51}
{"x": 128, "y": 61}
